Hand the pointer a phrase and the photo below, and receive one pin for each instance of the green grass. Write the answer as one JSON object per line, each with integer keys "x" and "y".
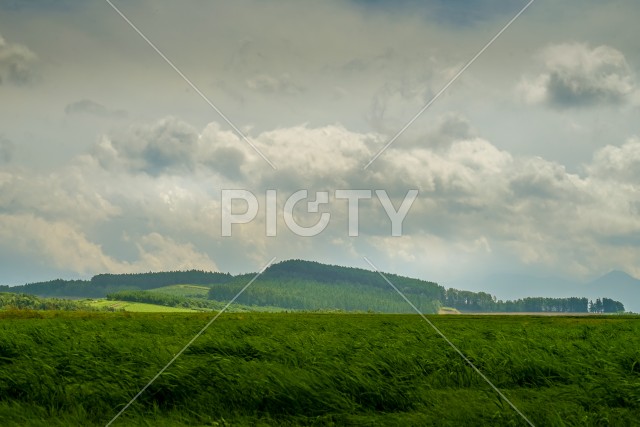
{"x": 186, "y": 291}
{"x": 75, "y": 368}
{"x": 138, "y": 307}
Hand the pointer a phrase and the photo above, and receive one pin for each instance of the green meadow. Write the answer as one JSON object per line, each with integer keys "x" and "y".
{"x": 139, "y": 307}
{"x": 186, "y": 291}
{"x": 261, "y": 369}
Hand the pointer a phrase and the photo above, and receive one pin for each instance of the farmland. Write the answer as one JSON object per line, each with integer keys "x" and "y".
{"x": 81, "y": 368}
{"x": 139, "y": 307}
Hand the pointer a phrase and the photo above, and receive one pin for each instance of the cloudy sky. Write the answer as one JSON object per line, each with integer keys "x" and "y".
{"x": 528, "y": 164}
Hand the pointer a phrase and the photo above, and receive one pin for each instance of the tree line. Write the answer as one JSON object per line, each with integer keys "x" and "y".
{"x": 484, "y": 302}
{"x": 152, "y": 280}
{"x": 159, "y": 298}
{"x": 605, "y": 305}
{"x": 102, "y": 284}
{"x": 12, "y": 301}
{"x": 307, "y": 285}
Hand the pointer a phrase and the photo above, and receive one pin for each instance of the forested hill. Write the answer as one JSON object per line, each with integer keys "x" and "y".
{"x": 156, "y": 280}
{"x": 308, "y": 285}
{"x": 311, "y": 271}
{"x": 102, "y": 284}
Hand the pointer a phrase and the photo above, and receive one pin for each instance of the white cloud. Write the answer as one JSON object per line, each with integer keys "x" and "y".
{"x": 577, "y": 75}
{"x": 160, "y": 253}
{"x": 67, "y": 248}
{"x": 475, "y": 198}
{"x": 64, "y": 195}
{"x": 55, "y": 243}
{"x": 320, "y": 88}
{"x": 159, "y": 185}
{"x": 620, "y": 164}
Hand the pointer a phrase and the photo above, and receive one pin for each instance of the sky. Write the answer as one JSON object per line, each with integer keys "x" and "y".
{"x": 527, "y": 164}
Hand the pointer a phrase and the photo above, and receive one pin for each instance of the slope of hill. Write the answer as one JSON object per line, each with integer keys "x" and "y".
{"x": 102, "y": 284}
{"x": 12, "y": 301}
{"x": 307, "y": 285}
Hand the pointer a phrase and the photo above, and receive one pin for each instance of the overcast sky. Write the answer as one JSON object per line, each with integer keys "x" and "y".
{"x": 528, "y": 164}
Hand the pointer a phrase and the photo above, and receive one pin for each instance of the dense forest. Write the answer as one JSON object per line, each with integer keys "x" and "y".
{"x": 313, "y": 295}
{"x": 306, "y": 285}
{"x": 102, "y": 284}
{"x": 156, "y": 280}
{"x": 12, "y": 301}
{"x": 163, "y": 299}
{"x": 483, "y": 302}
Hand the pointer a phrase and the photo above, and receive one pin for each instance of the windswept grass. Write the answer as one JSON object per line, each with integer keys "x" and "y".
{"x": 316, "y": 369}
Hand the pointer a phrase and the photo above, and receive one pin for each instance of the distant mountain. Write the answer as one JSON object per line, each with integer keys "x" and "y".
{"x": 618, "y": 285}
{"x": 513, "y": 286}
{"x": 615, "y": 284}
{"x": 615, "y": 278}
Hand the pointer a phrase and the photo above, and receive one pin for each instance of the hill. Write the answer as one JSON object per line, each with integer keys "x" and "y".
{"x": 102, "y": 284}
{"x": 304, "y": 285}
{"x": 308, "y": 285}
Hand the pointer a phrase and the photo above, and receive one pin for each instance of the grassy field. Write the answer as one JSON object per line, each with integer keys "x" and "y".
{"x": 187, "y": 291}
{"x": 139, "y": 307}
{"x": 75, "y": 368}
